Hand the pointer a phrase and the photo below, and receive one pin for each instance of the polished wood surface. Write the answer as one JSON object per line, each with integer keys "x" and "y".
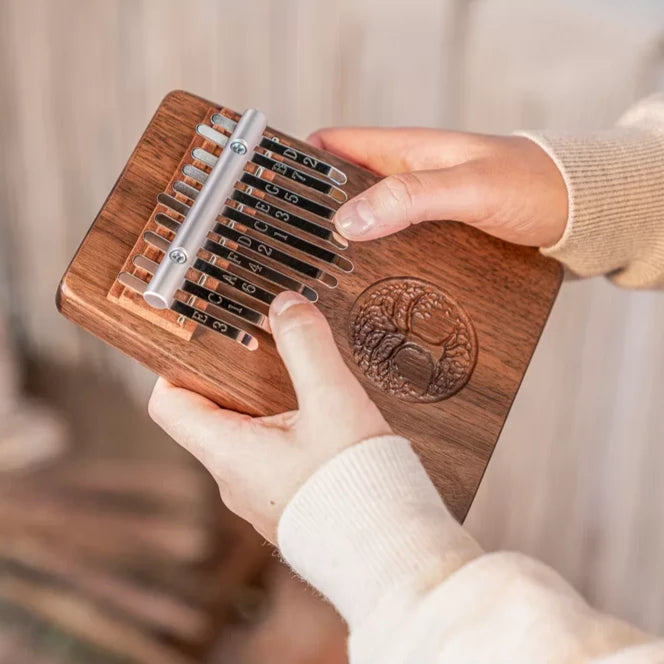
{"x": 506, "y": 291}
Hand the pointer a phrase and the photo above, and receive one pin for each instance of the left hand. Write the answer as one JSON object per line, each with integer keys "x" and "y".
{"x": 507, "y": 186}
{"x": 260, "y": 463}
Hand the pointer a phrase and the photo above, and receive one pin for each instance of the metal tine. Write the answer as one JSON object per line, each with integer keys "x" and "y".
{"x": 211, "y": 134}
{"x": 273, "y": 144}
{"x": 156, "y": 240}
{"x": 284, "y": 194}
{"x": 198, "y": 223}
{"x": 252, "y": 182}
{"x": 236, "y": 258}
{"x": 212, "y": 269}
{"x": 236, "y": 214}
{"x": 208, "y": 320}
{"x": 280, "y": 167}
{"x": 132, "y": 282}
{"x": 195, "y": 173}
{"x": 225, "y": 123}
{"x": 221, "y": 248}
{"x": 244, "y": 243}
{"x": 245, "y": 196}
{"x": 204, "y": 156}
{"x": 174, "y": 204}
{"x": 167, "y": 222}
{"x": 263, "y": 249}
{"x": 200, "y": 176}
{"x": 198, "y": 289}
{"x": 247, "y": 340}
{"x": 185, "y": 189}
{"x": 234, "y": 218}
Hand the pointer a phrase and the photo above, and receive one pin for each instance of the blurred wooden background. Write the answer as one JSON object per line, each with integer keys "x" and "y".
{"x": 577, "y": 475}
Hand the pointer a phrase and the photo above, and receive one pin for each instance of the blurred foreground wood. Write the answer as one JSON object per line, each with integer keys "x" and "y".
{"x": 297, "y": 627}
{"x": 29, "y": 432}
{"x": 119, "y": 551}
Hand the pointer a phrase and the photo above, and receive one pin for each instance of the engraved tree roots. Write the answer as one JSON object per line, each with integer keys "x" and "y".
{"x": 412, "y": 341}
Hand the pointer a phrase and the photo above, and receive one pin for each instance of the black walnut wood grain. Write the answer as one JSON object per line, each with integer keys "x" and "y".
{"x": 491, "y": 300}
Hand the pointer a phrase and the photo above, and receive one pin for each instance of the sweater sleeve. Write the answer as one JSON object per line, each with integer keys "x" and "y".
{"x": 370, "y": 532}
{"x": 615, "y": 184}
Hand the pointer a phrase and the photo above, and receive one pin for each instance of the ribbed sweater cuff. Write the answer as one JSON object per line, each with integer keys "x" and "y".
{"x": 615, "y": 182}
{"x": 368, "y": 521}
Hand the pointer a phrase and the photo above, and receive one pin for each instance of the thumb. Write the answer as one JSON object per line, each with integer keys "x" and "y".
{"x": 408, "y": 198}
{"x": 304, "y": 341}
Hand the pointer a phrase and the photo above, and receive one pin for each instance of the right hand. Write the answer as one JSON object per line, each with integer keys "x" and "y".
{"x": 261, "y": 462}
{"x": 506, "y": 186}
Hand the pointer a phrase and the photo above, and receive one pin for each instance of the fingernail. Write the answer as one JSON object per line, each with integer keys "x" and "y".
{"x": 355, "y": 218}
{"x": 285, "y": 301}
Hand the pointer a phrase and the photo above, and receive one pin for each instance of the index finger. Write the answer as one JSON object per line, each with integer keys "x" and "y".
{"x": 193, "y": 421}
{"x": 399, "y": 149}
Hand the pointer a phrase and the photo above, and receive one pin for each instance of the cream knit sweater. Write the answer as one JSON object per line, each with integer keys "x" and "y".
{"x": 371, "y": 533}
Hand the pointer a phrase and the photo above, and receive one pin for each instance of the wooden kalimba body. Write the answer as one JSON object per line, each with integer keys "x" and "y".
{"x": 214, "y": 214}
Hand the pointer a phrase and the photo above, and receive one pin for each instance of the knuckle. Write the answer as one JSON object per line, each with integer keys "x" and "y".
{"x": 481, "y": 169}
{"x": 300, "y": 320}
{"x": 411, "y": 159}
{"x": 403, "y": 188}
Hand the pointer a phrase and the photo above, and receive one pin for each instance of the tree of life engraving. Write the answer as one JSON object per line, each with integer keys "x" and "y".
{"x": 412, "y": 340}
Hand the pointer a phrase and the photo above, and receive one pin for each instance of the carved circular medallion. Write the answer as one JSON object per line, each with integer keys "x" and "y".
{"x": 412, "y": 340}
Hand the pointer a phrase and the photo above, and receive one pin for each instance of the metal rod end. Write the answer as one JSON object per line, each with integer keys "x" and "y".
{"x": 155, "y": 300}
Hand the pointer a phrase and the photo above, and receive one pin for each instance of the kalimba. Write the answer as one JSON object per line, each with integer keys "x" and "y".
{"x": 215, "y": 213}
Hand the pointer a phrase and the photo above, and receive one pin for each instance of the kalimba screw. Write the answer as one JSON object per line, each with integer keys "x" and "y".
{"x": 239, "y": 147}
{"x": 177, "y": 256}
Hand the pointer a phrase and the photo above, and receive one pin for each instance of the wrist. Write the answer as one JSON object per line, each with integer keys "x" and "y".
{"x": 614, "y": 179}
{"x": 552, "y": 204}
{"x": 368, "y": 521}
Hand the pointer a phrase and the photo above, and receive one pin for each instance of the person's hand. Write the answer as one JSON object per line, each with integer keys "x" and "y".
{"x": 259, "y": 463}
{"x": 506, "y": 186}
